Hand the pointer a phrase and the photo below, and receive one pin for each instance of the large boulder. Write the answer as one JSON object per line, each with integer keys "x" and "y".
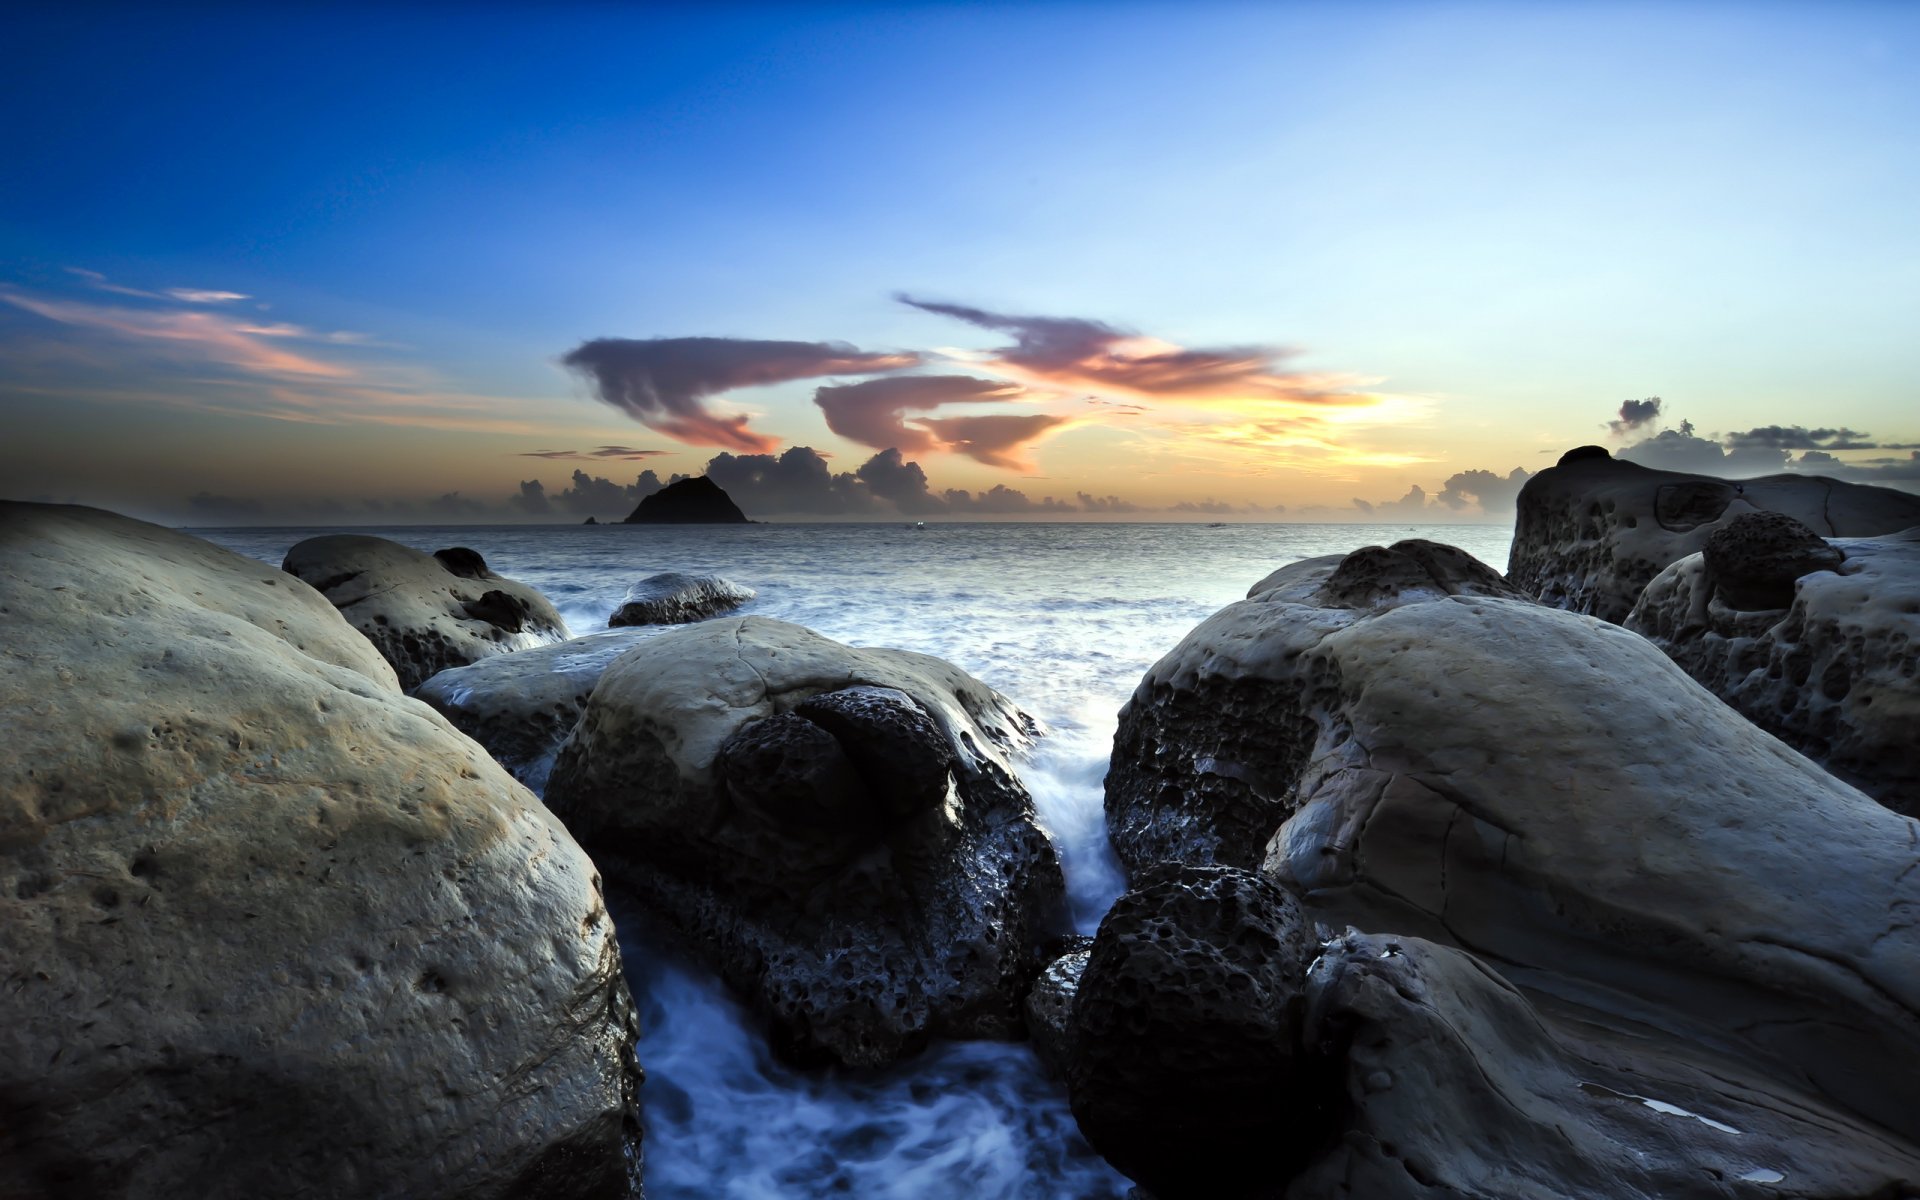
{"x": 269, "y": 927}
{"x": 837, "y": 830}
{"x": 1834, "y": 671}
{"x": 695, "y": 501}
{"x": 1552, "y": 792}
{"x": 521, "y": 706}
{"x": 1184, "y": 1063}
{"x": 674, "y": 598}
{"x": 424, "y": 612}
{"x": 1593, "y": 530}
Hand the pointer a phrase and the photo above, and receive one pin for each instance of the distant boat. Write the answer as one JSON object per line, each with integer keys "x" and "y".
{"x": 1216, "y": 524}
{"x": 919, "y": 524}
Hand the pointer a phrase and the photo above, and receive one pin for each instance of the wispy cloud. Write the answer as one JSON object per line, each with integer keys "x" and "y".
{"x": 665, "y": 383}
{"x": 187, "y": 333}
{"x": 627, "y": 452}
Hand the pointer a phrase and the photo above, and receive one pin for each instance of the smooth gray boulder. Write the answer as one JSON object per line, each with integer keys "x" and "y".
{"x": 1594, "y": 530}
{"x": 269, "y": 927}
{"x": 521, "y": 706}
{"x": 424, "y": 612}
{"x": 1552, "y": 793}
{"x": 838, "y": 831}
{"x": 1834, "y": 672}
{"x": 674, "y": 598}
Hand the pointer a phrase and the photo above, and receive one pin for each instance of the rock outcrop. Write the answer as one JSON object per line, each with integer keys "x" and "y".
{"x": 1551, "y": 791}
{"x": 1594, "y": 530}
{"x": 521, "y": 706}
{"x": 1830, "y": 664}
{"x": 695, "y": 501}
{"x": 268, "y": 927}
{"x": 1185, "y": 1065}
{"x": 837, "y": 830}
{"x": 674, "y": 598}
{"x": 424, "y": 612}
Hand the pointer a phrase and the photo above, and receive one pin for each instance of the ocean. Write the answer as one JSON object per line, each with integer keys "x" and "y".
{"x": 1064, "y": 619}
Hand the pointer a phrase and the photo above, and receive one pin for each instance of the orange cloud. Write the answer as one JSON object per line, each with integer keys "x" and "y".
{"x": 195, "y": 334}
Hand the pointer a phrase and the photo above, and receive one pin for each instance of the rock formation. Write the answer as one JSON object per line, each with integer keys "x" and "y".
{"x": 1816, "y": 642}
{"x": 425, "y": 612}
{"x": 837, "y": 830}
{"x": 267, "y": 926}
{"x": 521, "y": 706}
{"x": 695, "y": 501}
{"x": 1550, "y": 793}
{"x": 1592, "y": 531}
{"x": 673, "y": 598}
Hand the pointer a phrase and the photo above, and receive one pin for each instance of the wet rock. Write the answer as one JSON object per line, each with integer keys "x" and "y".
{"x": 1836, "y": 674}
{"x": 424, "y": 613}
{"x": 672, "y": 598}
{"x": 1756, "y": 558}
{"x": 1050, "y": 1003}
{"x": 696, "y": 501}
{"x": 838, "y": 831}
{"x": 268, "y": 927}
{"x": 1551, "y": 792}
{"x": 1185, "y": 1067}
{"x": 520, "y": 706}
{"x": 1593, "y": 530}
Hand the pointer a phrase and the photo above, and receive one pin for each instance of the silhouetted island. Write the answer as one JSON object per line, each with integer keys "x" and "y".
{"x": 696, "y": 501}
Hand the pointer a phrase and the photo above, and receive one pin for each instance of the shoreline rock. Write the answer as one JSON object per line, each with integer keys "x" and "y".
{"x": 675, "y": 598}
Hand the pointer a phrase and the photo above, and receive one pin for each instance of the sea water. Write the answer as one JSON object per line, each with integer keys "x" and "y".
{"x": 1064, "y": 619}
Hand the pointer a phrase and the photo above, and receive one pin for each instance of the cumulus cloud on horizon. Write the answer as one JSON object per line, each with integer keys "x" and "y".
{"x": 665, "y": 383}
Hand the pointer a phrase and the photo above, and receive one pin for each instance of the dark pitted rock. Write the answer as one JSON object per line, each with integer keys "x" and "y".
{"x": 1050, "y": 1003}
{"x": 520, "y": 706}
{"x": 424, "y": 612}
{"x": 1592, "y": 531}
{"x": 672, "y": 598}
{"x": 1836, "y": 675}
{"x": 1449, "y": 1081}
{"x": 1756, "y": 558}
{"x": 1554, "y": 793}
{"x": 783, "y": 802}
{"x": 1404, "y": 572}
{"x": 268, "y": 927}
{"x": 1185, "y": 1067}
{"x": 696, "y": 501}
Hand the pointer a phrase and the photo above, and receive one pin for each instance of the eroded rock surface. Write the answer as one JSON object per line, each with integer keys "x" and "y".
{"x": 1834, "y": 672}
{"x": 1552, "y": 792}
{"x": 268, "y": 927}
{"x": 674, "y": 598}
{"x": 1594, "y": 530}
{"x": 837, "y": 830}
{"x": 521, "y": 706}
{"x": 424, "y": 612}
{"x": 1184, "y": 1063}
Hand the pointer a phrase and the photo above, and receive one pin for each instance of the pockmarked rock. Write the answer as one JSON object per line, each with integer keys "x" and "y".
{"x": 1756, "y": 558}
{"x": 521, "y": 706}
{"x": 675, "y": 598}
{"x": 1550, "y": 792}
{"x": 424, "y": 612}
{"x": 838, "y": 831}
{"x": 267, "y": 926}
{"x": 1592, "y": 531}
{"x": 1184, "y": 1064}
{"x": 1834, "y": 672}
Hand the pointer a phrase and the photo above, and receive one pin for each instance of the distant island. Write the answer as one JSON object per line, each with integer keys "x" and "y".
{"x": 696, "y": 501}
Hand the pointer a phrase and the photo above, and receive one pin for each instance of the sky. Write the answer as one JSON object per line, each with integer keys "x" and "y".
{"x": 1067, "y": 261}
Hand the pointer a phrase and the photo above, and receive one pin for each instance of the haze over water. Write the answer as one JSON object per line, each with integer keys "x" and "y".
{"x": 1062, "y": 618}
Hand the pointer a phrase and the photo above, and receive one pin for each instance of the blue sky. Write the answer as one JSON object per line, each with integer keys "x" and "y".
{"x": 1495, "y": 222}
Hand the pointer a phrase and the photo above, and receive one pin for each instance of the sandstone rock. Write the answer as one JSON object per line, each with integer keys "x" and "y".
{"x": 1836, "y": 674}
{"x": 696, "y": 501}
{"x": 1550, "y": 792}
{"x": 267, "y": 926}
{"x": 787, "y": 804}
{"x": 521, "y": 706}
{"x": 1185, "y": 1069}
{"x": 424, "y": 612}
{"x": 1592, "y": 531}
{"x": 1756, "y": 558}
{"x": 673, "y": 598}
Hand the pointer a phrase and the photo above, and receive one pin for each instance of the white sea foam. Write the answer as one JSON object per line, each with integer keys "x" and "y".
{"x": 1062, "y": 618}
